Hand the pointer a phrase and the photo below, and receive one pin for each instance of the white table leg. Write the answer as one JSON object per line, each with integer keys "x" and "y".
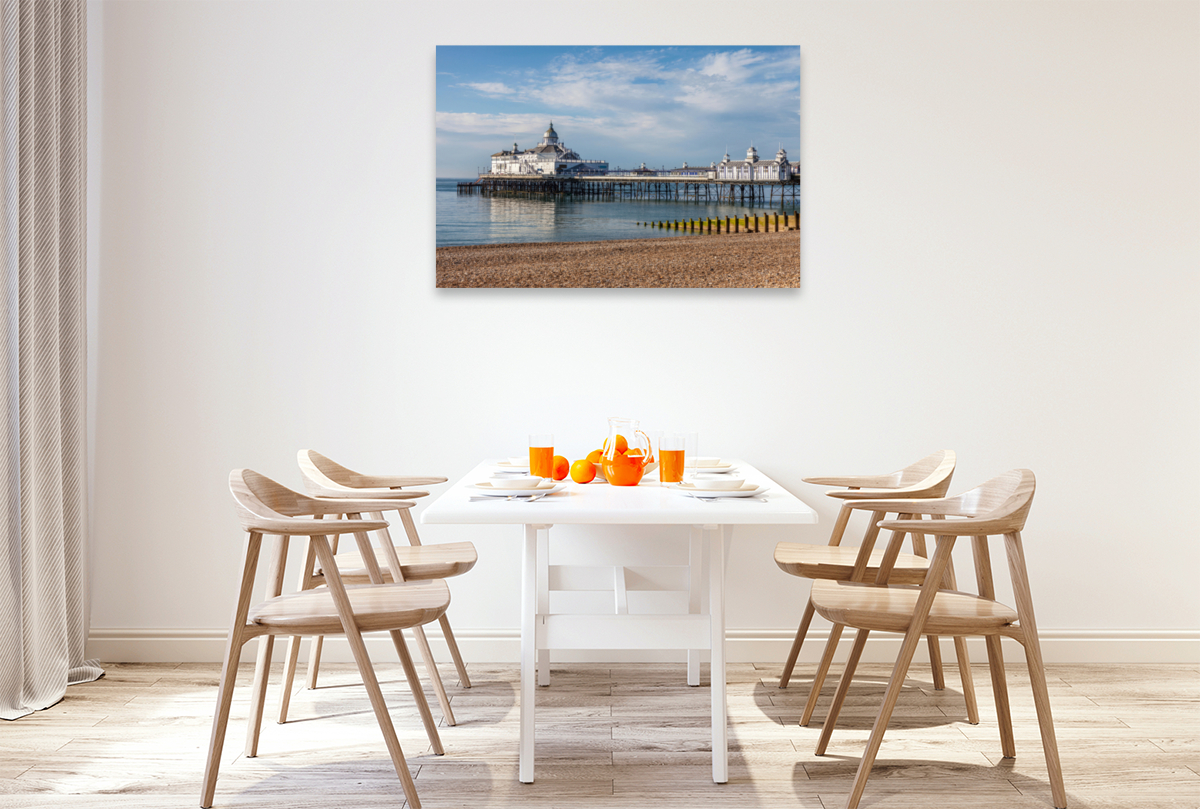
{"x": 716, "y": 608}
{"x": 543, "y": 598}
{"x": 528, "y": 650}
{"x": 695, "y": 563}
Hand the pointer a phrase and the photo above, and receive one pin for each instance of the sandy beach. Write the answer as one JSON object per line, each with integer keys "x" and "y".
{"x": 736, "y": 260}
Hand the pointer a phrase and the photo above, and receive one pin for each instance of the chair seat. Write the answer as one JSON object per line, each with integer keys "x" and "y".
{"x": 376, "y": 607}
{"x": 889, "y": 608}
{"x": 837, "y": 563}
{"x": 417, "y": 562}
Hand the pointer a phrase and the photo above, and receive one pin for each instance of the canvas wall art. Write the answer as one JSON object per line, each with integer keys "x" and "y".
{"x": 618, "y": 166}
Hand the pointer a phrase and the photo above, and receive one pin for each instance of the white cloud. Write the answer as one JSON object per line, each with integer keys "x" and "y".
{"x": 735, "y": 66}
{"x": 490, "y": 88}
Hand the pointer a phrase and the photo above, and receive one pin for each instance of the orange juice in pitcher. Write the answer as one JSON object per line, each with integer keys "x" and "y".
{"x": 628, "y": 453}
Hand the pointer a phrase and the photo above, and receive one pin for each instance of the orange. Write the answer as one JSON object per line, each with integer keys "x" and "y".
{"x": 560, "y": 467}
{"x": 622, "y": 444}
{"x": 595, "y": 455}
{"x": 635, "y": 451}
{"x": 583, "y": 471}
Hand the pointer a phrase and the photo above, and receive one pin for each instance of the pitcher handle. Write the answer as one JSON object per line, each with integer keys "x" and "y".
{"x": 649, "y": 446}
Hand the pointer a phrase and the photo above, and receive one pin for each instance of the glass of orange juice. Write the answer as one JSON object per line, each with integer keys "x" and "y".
{"x": 671, "y": 449}
{"x": 541, "y": 455}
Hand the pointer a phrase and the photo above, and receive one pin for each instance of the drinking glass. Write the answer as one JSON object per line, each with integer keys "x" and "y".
{"x": 541, "y": 455}
{"x": 671, "y": 455}
{"x": 691, "y": 453}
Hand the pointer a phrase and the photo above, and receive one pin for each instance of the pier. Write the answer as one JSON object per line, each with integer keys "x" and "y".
{"x": 659, "y": 187}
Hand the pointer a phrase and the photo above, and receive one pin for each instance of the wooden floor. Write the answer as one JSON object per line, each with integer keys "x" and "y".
{"x": 610, "y": 736}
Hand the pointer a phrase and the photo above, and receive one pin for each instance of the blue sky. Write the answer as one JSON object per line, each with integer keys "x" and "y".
{"x": 625, "y": 105}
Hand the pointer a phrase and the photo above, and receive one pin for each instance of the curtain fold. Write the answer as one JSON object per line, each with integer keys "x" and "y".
{"x": 43, "y": 494}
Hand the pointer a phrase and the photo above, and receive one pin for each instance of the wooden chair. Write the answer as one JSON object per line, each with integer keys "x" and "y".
{"x": 406, "y": 563}
{"x": 265, "y": 507}
{"x": 928, "y": 477}
{"x": 998, "y": 507}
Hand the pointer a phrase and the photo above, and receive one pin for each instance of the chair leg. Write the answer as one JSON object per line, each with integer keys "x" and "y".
{"x": 839, "y": 697}
{"x": 964, "y": 658}
{"x": 220, "y": 722}
{"x": 434, "y": 676}
{"x": 1037, "y": 669}
{"x": 464, "y": 679}
{"x": 935, "y": 662}
{"x": 314, "y": 661}
{"x": 835, "y": 634}
{"x": 968, "y": 682}
{"x": 935, "y": 647}
{"x": 790, "y": 663}
{"x": 912, "y": 638}
{"x": 233, "y": 651}
{"x": 367, "y": 672}
{"x": 414, "y": 684}
{"x": 1008, "y": 743}
{"x": 374, "y": 693}
{"x": 289, "y": 676}
{"x": 895, "y": 685}
{"x": 262, "y": 666}
{"x": 258, "y": 694}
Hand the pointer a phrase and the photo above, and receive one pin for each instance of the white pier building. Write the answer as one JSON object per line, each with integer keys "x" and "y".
{"x": 547, "y": 158}
{"x": 752, "y": 168}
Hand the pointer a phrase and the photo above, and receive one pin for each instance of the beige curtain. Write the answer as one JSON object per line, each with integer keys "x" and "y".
{"x": 43, "y": 571}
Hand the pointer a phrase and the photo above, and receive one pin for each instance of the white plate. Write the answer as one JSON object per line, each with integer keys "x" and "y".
{"x": 509, "y": 466}
{"x": 709, "y": 470}
{"x": 708, "y": 465}
{"x": 747, "y": 490}
{"x": 498, "y": 489}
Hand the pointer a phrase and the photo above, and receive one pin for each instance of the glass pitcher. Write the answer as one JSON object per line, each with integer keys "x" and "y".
{"x": 628, "y": 453}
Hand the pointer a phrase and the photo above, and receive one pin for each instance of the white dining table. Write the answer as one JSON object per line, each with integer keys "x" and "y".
{"x": 649, "y": 503}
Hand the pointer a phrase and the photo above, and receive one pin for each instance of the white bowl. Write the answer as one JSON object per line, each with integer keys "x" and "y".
{"x": 700, "y": 463}
{"x": 519, "y": 461}
{"x": 723, "y": 483}
{"x": 518, "y": 482}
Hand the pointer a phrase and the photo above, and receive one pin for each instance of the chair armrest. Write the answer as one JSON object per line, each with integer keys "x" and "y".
{"x": 308, "y": 528}
{"x": 949, "y": 528}
{"x": 348, "y": 505}
{"x": 878, "y": 494}
{"x": 360, "y": 494}
{"x": 915, "y": 505}
{"x": 855, "y": 481}
{"x": 397, "y": 481}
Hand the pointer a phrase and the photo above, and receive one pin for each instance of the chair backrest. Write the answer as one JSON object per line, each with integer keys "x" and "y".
{"x": 325, "y": 477}
{"x": 260, "y": 500}
{"x": 935, "y": 468}
{"x": 928, "y": 477}
{"x": 319, "y": 469}
{"x": 999, "y": 506}
{"x": 1003, "y": 501}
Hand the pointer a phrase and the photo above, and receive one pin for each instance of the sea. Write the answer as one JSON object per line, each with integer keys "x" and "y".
{"x": 475, "y": 219}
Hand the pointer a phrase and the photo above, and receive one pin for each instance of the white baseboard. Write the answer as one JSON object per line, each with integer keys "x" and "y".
{"x": 742, "y": 646}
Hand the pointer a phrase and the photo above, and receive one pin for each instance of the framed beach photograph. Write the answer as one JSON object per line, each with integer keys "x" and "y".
{"x": 618, "y": 166}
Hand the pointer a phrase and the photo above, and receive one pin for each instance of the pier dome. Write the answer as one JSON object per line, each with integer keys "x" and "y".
{"x": 550, "y": 137}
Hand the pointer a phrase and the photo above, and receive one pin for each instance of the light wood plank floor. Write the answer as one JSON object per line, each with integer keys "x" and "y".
{"x": 610, "y": 736}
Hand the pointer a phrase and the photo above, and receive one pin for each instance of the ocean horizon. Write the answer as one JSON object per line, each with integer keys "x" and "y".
{"x": 476, "y": 219}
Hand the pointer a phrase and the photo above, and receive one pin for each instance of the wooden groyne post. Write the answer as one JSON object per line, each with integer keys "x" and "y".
{"x": 767, "y": 223}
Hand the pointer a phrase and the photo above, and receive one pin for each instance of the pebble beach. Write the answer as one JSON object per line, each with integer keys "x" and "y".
{"x": 734, "y": 260}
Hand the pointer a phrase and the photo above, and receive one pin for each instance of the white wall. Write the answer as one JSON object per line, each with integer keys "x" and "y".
{"x": 1000, "y": 256}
